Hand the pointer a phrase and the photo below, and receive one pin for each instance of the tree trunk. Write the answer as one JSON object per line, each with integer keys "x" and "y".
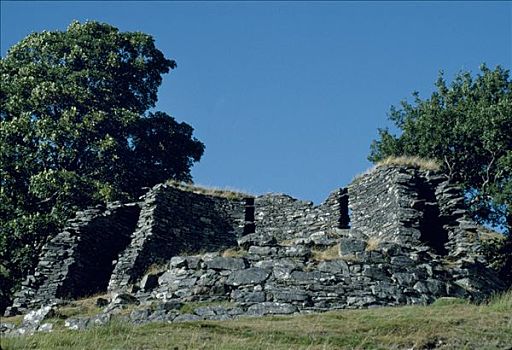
{"x": 509, "y": 223}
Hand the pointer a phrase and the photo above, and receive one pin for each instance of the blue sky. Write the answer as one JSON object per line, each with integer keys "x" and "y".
{"x": 287, "y": 96}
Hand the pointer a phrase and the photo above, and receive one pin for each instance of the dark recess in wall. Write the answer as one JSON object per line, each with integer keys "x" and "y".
{"x": 431, "y": 226}
{"x": 344, "y": 214}
{"x": 102, "y": 241}
{"x": 249, "y": 226}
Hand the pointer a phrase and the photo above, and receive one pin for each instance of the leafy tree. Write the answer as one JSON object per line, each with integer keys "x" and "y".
{"x": 467, "y": 126}
{"x": 75, "y": 130}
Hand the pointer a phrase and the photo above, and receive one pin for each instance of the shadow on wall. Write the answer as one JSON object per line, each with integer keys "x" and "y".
{"x": 102, "y": 240}
{"x": 431, "y": 226}
{"x": 175, "y": 221}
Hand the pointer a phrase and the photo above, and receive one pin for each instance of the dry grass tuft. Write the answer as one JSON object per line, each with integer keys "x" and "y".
{"x": 210, "y": 191}
{"x": 350, "y": 258}
{"x": 235, "y": 252}
{"x": 157, "y": 268}
{"x": 17, "y": 320}
{"x": 288, "y": 242}
{"x": 411, "y": 161}
{"x": 372, "y": 244}
{"x": 82, "y": 307}
{"x": 403, "y": 161}
{"x": 330, "y": 253}
{"x": 486, "y": 235}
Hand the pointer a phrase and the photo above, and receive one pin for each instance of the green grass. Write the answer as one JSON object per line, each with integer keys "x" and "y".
{"x": 450, "y": 324}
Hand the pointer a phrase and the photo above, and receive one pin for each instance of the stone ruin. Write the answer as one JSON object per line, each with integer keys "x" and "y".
{"x": 397, "y": 235}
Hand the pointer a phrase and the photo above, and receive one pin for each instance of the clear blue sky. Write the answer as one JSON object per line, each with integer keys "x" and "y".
{"x": 287, "y": 96}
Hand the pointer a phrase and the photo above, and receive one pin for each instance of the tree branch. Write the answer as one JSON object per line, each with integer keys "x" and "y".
{"x": 450, "y": 168}
{"x": 487, "y": 176}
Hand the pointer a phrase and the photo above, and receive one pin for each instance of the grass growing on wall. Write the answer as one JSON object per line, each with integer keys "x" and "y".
{"x": 230, "y": 194}
{"x": 403, "y": 161}
{"x": 447, "y": 324}
{"x": 411, "y": 161}
{"x": 328, "y": 253}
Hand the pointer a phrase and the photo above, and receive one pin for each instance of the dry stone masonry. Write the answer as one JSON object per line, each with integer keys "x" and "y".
{"x": 409, "y": 241}
{"x": 78, "y": 261}
{"x": 285, "y": 217}
{"x": 173, "y": 221}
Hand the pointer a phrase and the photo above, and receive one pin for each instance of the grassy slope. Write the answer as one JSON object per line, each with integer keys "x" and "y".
{"x": 447, "y": 325}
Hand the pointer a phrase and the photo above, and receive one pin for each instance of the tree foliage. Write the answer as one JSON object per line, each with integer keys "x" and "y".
{"x": 467, "y": 126}
{"x": 75, "y": 130}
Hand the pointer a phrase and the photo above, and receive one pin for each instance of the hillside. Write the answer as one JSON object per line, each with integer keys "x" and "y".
{"x": 448, "y": 323}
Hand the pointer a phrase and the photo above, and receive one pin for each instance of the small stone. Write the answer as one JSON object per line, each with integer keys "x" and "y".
{"x": 334, "y": 267}
{"x": 6, "y": 327}
{"x": 193, "y": 262}
{"x": 140, "y": 315}
{"x": 374, "y": 273}
{"x": 255, "y": 239}
{"x": 124, "y": 299}
{"x": 178, "y": 261}
{"x": 205, "y": 311}
{"x": 34, "y": 318}
{"x": 76, "y": 324}
{"x": 102, "y": 302}
{"x": 169, "y": 305}
{"x": 262, "y": 251}
{"x": 222, "y": 263}
{"x": 45, "y": 327}
{"x": 243, "y": 296}
{"x": 271, "y": 308}
{"x": 437, "y": 288}
{"x": 149, "y": 282}
{"x": 11, "y": 311}
{"x": 351, "y": 245}
{"x": 100, "y": 319}
{"x": 420, "y": 287}
{"x": 404, "y": 279}
{"x": 401, "y": 261}
{"x": 299, "y": 251}
{"x": 290, "y": 295}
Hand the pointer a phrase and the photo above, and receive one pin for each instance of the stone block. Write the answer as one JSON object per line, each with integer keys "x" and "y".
{"x": 250, "y": 276}
{"x": 271, "y": 308}
{"x": 222, "y": 263}
{"x": 244, "y": 296}
{"x": 351, "y": 246}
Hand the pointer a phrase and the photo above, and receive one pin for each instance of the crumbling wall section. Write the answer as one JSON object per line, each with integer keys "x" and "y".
{"x": 413, "y": 207}
{"x": 79, "y": 260}
{"x": 303, "y": 275}
{"x": 284, "y": 217}
{"x": 422, "y": 209}
{"x": 385, "y": 204}
{"x": 410, "y": 241}
{"x": 173, "y": 221}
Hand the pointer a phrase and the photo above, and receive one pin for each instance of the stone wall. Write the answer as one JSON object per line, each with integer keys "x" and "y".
{"x": 422, "y": 210}
{"x": 413, "y": 207}
{"x": 342, "y": 269}
{"x": 174, "y": 221}
{"x": 410, "y": 241}
{"x": 285, "y": 217}
{"x": 79, "y": 260}
{"x": 392, "y": 203}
